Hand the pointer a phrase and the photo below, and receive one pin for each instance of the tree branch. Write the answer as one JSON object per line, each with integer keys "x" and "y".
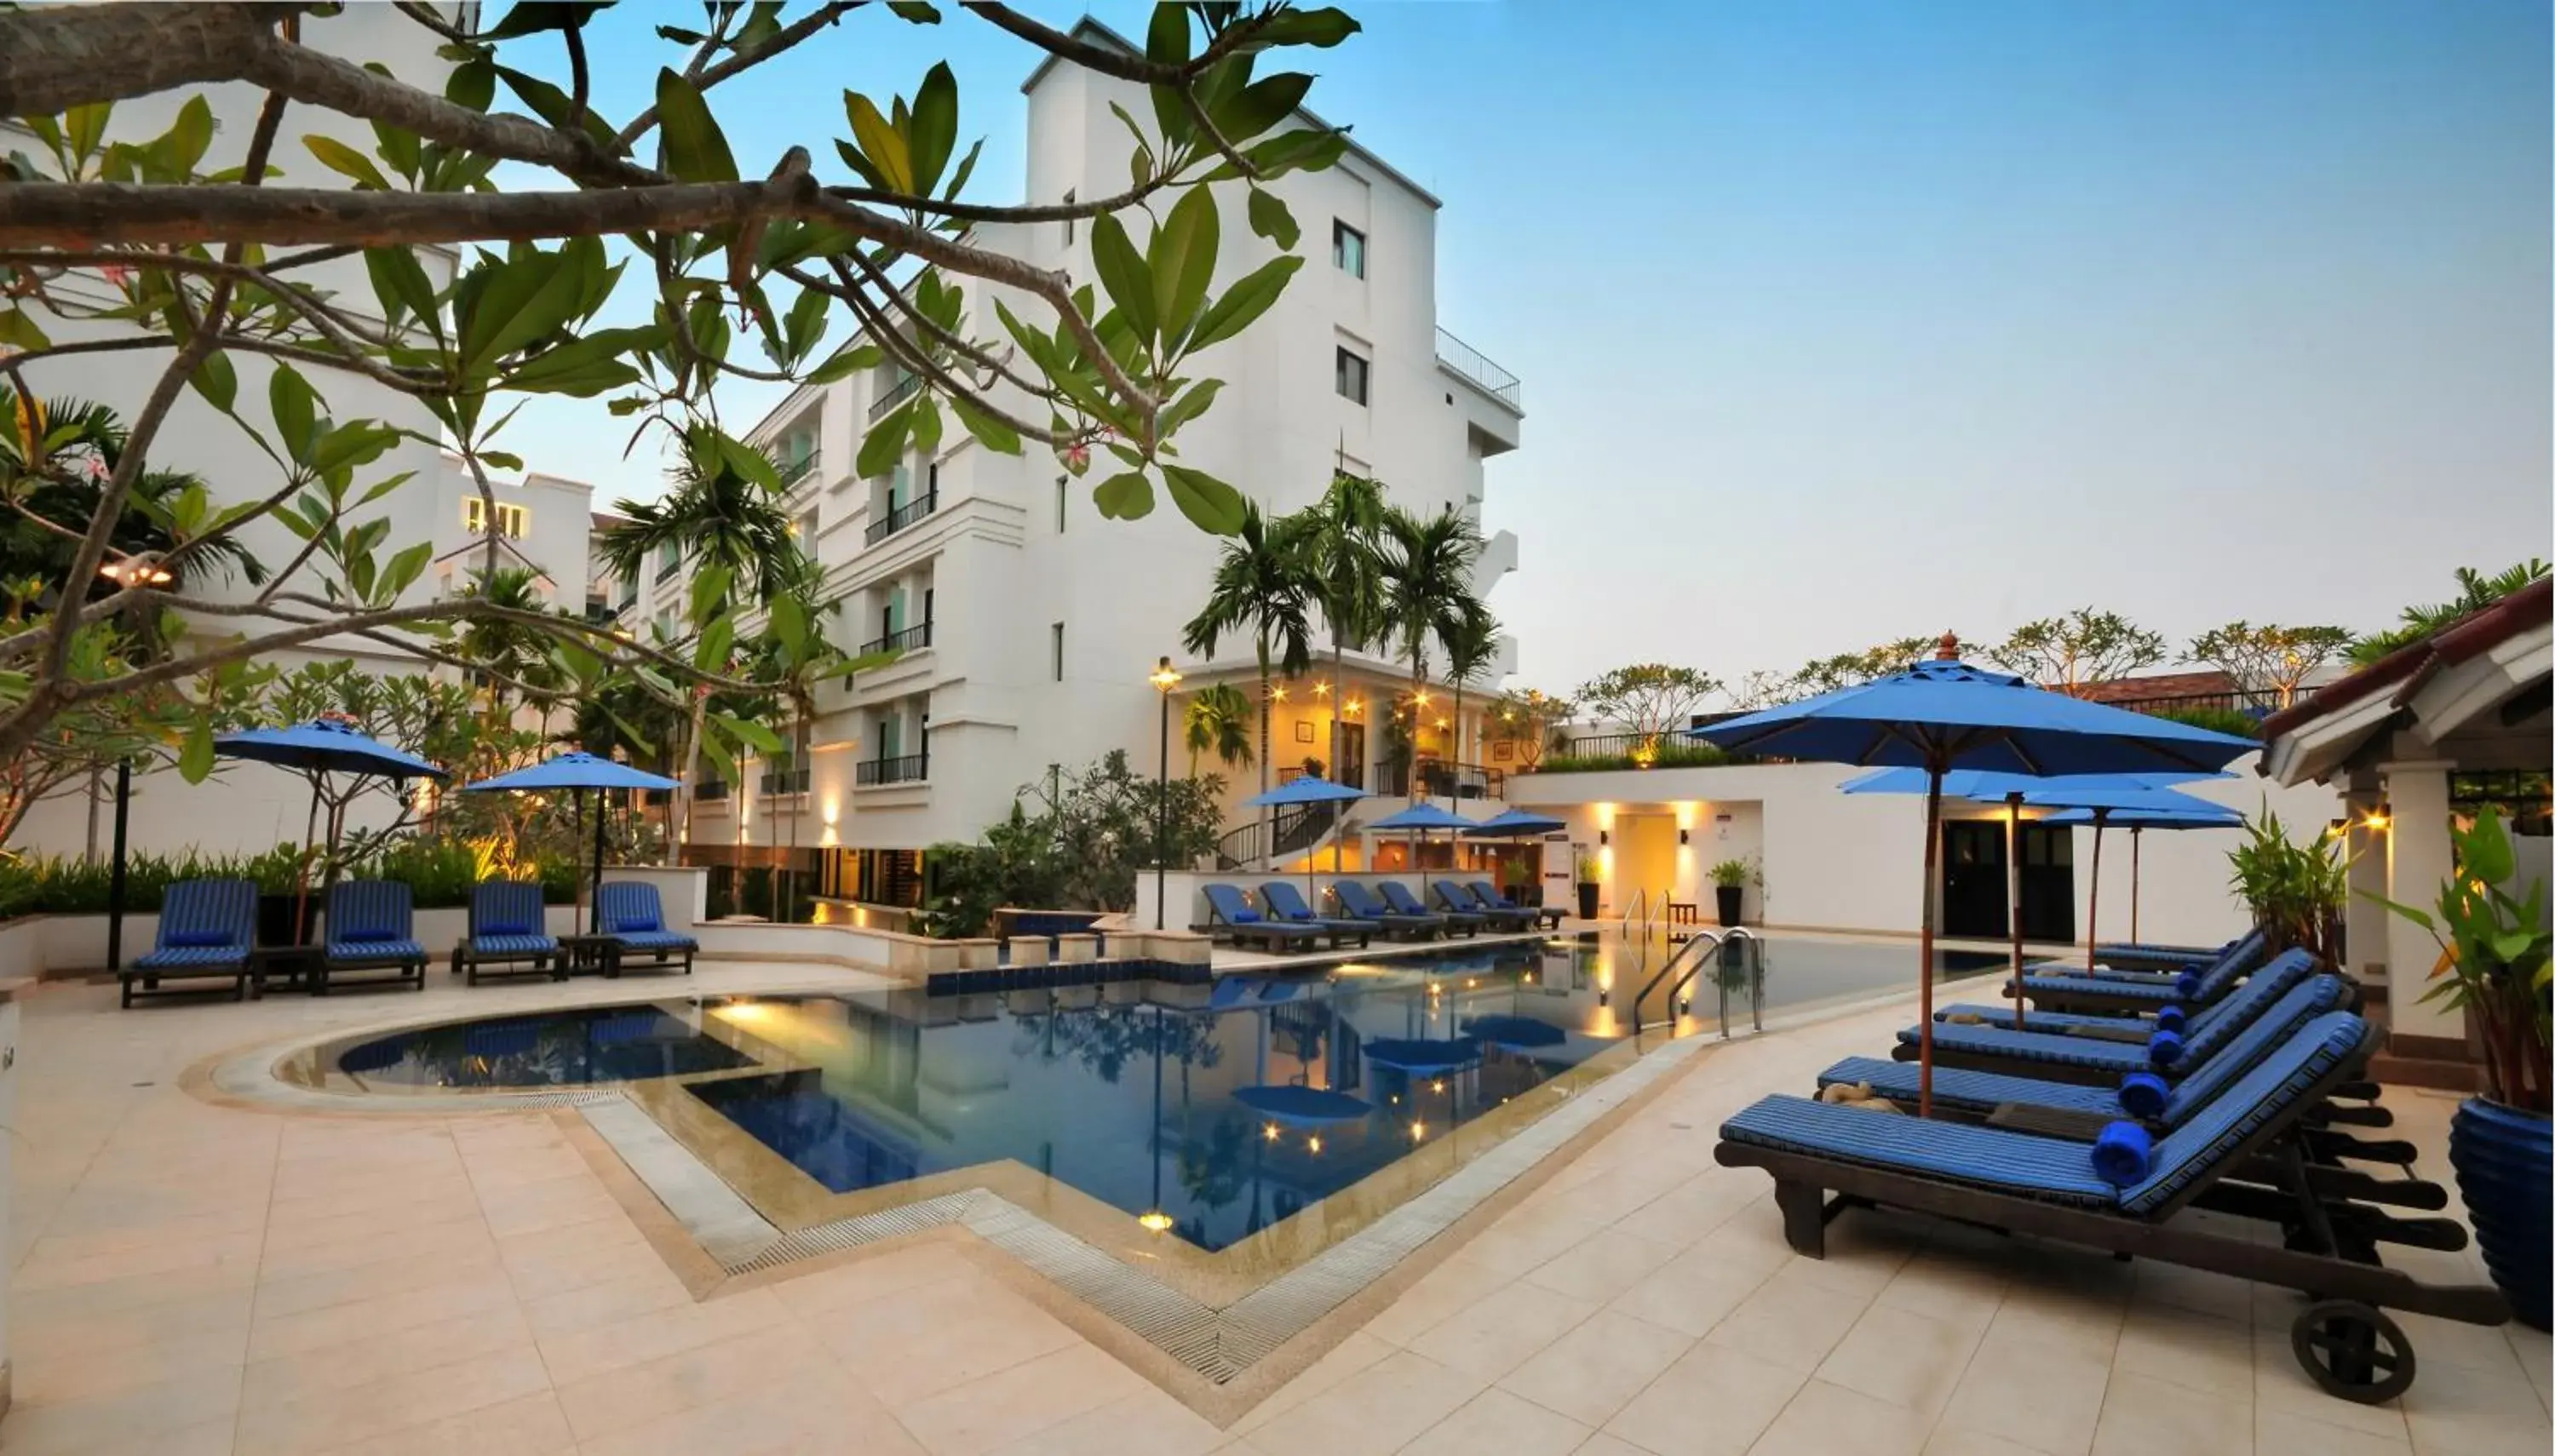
{"x": 780, "y": 41}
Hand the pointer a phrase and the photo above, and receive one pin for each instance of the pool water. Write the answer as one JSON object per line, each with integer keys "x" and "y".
{"x": 1210, "y": 1110}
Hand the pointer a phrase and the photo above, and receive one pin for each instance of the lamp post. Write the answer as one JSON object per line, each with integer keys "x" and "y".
{"x": 1165, "y": 678}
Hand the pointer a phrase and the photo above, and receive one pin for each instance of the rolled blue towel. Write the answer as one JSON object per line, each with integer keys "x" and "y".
{"x": 2164, "y": 1048}
{"x": 2171, "y": 1019}
{"x": 2186, "y": 985}
{"x": 2122, "y": 1154}
{"x": 2144, "y": 1095}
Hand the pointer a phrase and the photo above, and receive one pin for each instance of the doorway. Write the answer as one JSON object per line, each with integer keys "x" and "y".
{"x": 1645, "y": 850}
{"x": 1349, "y": 771}
{"x": 1973, "y": 881}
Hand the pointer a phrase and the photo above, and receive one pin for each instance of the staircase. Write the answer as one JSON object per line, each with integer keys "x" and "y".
{"x": 1297, "y": 827}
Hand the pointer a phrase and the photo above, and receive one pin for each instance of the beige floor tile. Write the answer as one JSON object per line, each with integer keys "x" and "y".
{"x": 2280, "y": 1433}
{"x": 1146, "y": 1424}
{"x": 1790, "y": 1321}
{"x": 1523, "y": 1242}
{"x": 603, "y": 1348}
{"x": 90, "y": 1374}
{"x": 629, "y": 1299}
{"x": 2198, "y": 1351}
{"x": 2281, "y": 1387}
{"x": 1014, "y": 1404}
{"x": 217, "y": 1252}
{"x": 1496, "y": 1334}
{"x": 1434, "y": 1297}
{"x": 1713, "y": 1401}
{"x": 1602, "y": 1265}
{"x": 2042, "y": 1395}
{"x": 357, "y": 1415}
{"x": 1691, "y": 1292}
{"x": 1960, "y": 1291}
{"x": 2197, "y": 1291}
{"x": 1380, "y": 1409}
{"x": 1358, "y": 1352}
{"x": 531, "y": 1426}
{"x": 841, "y": 1287}
{"x": 917, "y": 1342}
{"x": 775, "y": 1360}
{"x": 1824, "y": 1420}
{"x": 1683, "y": 1215}
{"x": 2146, "y": 1416}
{"x": 481, "y": 1295}
{"x": 1495, "y": 1421}
{"x": 404, "y": 1273}
{"x": 2059, "y": 1320}
{"x": 757, "y": 1424}
{"x": 53, "y": 1334}
{"x": 1591, "y": 1372}
{"x": 363, "y": 1359}
{"x": 1948, "y": 1440}
{"x": 2457, "y": 1410}
{"x": 136, "y": 1420}
{"x": 1904, "y": 1358}
{"x": 575, "y": 1267}
{"x": 1602, "y": 1444}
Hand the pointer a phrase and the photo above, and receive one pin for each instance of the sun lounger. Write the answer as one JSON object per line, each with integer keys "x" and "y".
{"x": 1398, "y": 896}
{"x": 371, "y": 927}
{"x": 1360, "y": 901}
{"x": 2077, "y": 1057}
{"x": 1548, "y": 915}
{"x": 1287, "y": 903}
{"x": 2128, "y": 1019}
{"x": 2127, "y": 990}
{"x": 2118, "y": 1196}
{"x": 1456, "y": 896}
{"x": 506, "y": 934}
{"x": 1230, "y": 916}
{"x": 630, "y": 912}
{"x": 2151, "y": 957}
{"x": 206, "y": 930}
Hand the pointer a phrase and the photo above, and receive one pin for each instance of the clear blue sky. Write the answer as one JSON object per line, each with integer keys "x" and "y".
{"x": 1842, "y": 322}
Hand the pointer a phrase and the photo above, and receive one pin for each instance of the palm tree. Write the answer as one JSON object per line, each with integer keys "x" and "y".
{"x": 1217, "y": 720}
{"x": 509, "y": 650}
{"x": 1427, "y": 566}
{"x": 54, "y": 458}
{"x": 717, "y": 518}
{"x": 1260, "y": 587}
{"x": 1470, "y": 642}
{"x": 1335, "y": 538}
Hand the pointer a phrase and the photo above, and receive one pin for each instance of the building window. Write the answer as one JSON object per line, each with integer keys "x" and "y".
{"x": 1068, "y": 222}
{"x": 805, "y": 528}
{"x": 1056, "y": 651}
{"x": 1060, "y": 505}
{"x": 1347, "y": 249}
{"x": 668, "y": 557}
{"x": 1350, "y": 376}
{"x": 513, "y": 522}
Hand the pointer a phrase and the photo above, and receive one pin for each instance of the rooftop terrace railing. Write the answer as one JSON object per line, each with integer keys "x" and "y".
{"x": 1470, "y": 363}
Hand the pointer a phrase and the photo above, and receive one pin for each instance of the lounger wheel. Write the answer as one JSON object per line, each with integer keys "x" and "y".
{"x": 2352, "y": 1351}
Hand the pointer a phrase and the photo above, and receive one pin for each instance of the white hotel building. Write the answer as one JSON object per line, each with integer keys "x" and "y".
{"x": 1028, "y": 623}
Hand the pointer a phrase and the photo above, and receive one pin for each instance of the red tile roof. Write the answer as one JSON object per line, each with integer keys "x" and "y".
{"x": 2156, "y": 685}
{"x": 2416, "y": 663}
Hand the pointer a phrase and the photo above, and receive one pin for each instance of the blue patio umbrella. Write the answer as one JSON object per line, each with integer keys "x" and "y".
{"x": 315, "y": 749}
{"x": 1945, "y": 714}
{"x": 575, "y": 772}
{"x": 1305, "y": 789}
{"x": 1417, "y": 820}
{"x": 1303, "y": 1107}
{"x": 2164, "y": 809}
{"x": 1516, "y": 823}
{"x": 1515, "y": 1033}
{"x": 1422, "y": 1055}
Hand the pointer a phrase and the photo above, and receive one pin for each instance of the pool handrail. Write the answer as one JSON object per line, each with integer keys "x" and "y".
{"x": 1715, "y": 938}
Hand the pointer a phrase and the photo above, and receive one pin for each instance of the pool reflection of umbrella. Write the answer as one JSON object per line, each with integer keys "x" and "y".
{"x": 1987, "y": 786}
{"x": 315, "y": 749}
{"x": 575, "y": 771}
{"x": 1423, "y": 1057}
{"x": 1515, "y": 1033}
{"x": 2191, "y": 814}
{"x": 1305, "y": 790}
{"x": 1303, "y": 1107}
{"x": 1944, "y": 714}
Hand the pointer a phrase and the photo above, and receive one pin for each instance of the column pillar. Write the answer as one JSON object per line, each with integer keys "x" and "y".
{"x": 2418, "y": 856}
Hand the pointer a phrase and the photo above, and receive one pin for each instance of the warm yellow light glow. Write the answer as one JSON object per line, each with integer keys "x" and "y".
{"x": 1437, "y": 1087}
{"x": 742, "y": 1012}
{"x": 2374, "y": 823}
{"x": 1420, "y": 697}
{"x": 1279, "y": 692}
{"x": 1471, "y": 984}
{"x": 1313, "y": 1144}
{"x": 833, "y": 811}
{"x": 1441, "y": 724}
{"x": 1164, "y": 677}
{"x": 1154, "y": 1221}
{"x": 1418, "y": 1130}
{"x": 1270, "y": 1131}
{"x": 1321, "y": 690}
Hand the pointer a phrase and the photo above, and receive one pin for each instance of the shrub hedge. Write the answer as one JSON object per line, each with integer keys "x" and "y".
{"x": 441, "y": 872}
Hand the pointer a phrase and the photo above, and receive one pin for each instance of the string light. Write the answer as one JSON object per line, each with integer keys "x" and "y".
{"x": 1313, "y": 1144}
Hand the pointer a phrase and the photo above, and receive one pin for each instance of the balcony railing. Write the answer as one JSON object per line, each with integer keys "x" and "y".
{"x": 903, "y": 516}
{"x": 710, "y": 791}
{"x": 794, "y": 471}
{"x": 896, "y": 393}
{"x": 912, "y": 769}
{"x": 912, "y": 639}
{"x": 1438, "y": 779}
{"x": 1468, "y": 361}
{"x": 786, "y": 780}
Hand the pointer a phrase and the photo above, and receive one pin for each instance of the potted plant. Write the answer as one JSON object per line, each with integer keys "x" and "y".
{"x": 1730, "y": 880}
{"x": 2494, "y": 966}
{"x": 2295, "y": 891}
{"x": 1583, "y": 871}
{"x": 1518, "y": 882}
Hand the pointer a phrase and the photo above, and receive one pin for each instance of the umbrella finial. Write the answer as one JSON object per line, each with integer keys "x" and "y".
{"x": 1949, "y": 649}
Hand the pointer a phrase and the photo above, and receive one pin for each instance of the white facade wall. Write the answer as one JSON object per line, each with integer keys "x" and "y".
{"x": 557, "y": 514}
{"x": 1002, "y": 566}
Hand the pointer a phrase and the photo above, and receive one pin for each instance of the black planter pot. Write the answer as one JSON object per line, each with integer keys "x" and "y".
{"x": 2502, "y": 1163}
{"x": 1726, "y": 899}
{"x": 1587, "y": 902}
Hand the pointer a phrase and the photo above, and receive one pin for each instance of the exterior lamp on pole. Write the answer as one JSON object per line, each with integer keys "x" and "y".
{"x": 1165, "y": 678}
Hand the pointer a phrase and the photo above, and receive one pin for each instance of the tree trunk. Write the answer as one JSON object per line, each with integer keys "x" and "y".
{"x": 691, "y": 772}
{"x": 1268, "y": 835}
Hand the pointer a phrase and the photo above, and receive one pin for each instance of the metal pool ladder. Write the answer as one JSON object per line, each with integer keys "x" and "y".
{"x": 1716, "y": 939}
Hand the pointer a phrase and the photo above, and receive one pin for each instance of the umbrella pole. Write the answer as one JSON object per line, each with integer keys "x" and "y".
{"x": 1926, "y": 947}
{"x": 302, "y": 872}
{"x": 2134, "y": 883}
{"x": 595, "y": 901}
{"x": 2093, "y": 893}
{"x": 2013, "y": 894}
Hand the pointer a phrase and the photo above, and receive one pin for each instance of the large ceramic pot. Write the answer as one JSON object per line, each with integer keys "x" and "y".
{"x": 1725, "y": 900}
{"x": 1587, "y": 900}
{"x": 2504, "y": 1168}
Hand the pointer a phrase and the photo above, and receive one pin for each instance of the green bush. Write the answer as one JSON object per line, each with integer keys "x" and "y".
{"x": 1671, "y": 756}
{"x": 2216, "y": 720}
{"x": 440, "y": 872}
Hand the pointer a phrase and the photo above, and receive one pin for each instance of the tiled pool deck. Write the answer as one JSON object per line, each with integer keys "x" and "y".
{"x": 193, "y": 1279}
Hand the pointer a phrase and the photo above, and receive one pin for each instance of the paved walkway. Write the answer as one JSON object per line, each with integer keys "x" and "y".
{"x": 193, "y": 1281}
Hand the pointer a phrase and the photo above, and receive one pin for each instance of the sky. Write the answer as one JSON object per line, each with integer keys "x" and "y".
{"x": 1843, "y": 321}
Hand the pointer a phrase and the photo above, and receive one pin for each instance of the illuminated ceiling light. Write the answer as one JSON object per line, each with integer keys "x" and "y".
{"x": 1418, "y": 1130}
{"x": 1313, "y": 1144}
{"x": 1164, "y": 677}
{"x": 1268, "y": 1133}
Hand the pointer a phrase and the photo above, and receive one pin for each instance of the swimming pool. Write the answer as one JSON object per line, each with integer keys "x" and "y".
{"x": 1212, "y": 1111}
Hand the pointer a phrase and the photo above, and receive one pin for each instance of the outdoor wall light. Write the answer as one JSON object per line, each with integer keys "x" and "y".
{"x": 1602, "y": 837}
{"x": 1685, "y": 835}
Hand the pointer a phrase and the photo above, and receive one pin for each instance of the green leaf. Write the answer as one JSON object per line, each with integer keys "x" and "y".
{"x": 885, "y": 444}
{"x": 1182, "y": 257}
{"x": 403, "y": 570}
{"x": 400, "y": 283}
{"x": 989, "y": 432}
{"x": 847, "y": 363}
{"x": 191, "y": 133}
{"x": 1325, "y": 27}
{"x": 695, "y": 149}
{"x": 19, "y": 332}
{"x": 966, "y": 170}
{"x": 586, "y": 366}
{"x": 709, "y": 587}
{"x": 552, "y": 104}
{"x": 473, "y": 83}
{"x": 750, "y": 733}
{"x": 1250, "y": 296}
{"x": 216, "y": 380}
{"x": 918, "y": 12}
{"x": 1125, "y": 274}
{"x": 1211, "y": 505}
{"x": 1167, "y": 43}
{"x": 1126, "y": 496}
{"x": 345, "y": 160}
{"x": 880, "y": 141}
{"x": 196, "y": 759}
{"x": 790, "y": 624}
{"x": 1261, "y": 105}
{"x": 718, "y": 636}
{"x": 925, "y": 432}
{"x": 1191, "y": 403}
{"x": 934, "y": 127}
{"x": 1271, "y": 219}
{"x": 534, "y": 16}
{"x": 296, "y": 408}
{"x": 2484, "y": 851}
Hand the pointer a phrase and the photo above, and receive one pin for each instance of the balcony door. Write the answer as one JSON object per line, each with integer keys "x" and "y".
{"x": 1351, "y": 768}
